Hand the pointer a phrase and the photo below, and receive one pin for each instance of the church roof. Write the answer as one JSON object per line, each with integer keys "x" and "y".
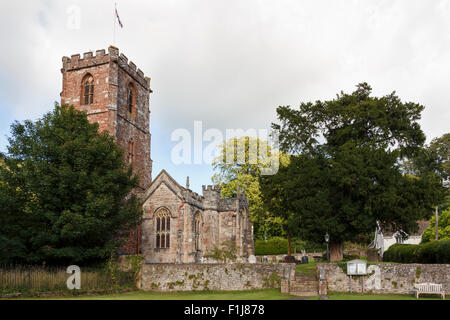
{"x": 389, "y": 230}
{"x": 165, "y": 173}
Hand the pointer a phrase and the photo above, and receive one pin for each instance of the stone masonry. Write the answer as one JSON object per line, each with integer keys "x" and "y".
{"x": 115, "y": 94}
{"x": 219, "y": 221}
{"x": 112, "y": 75}
{"x": 224, "y": 277}
{"x": 386, "y": 278}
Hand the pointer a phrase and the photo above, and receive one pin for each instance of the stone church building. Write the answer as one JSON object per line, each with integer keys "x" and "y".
{"x": 179, "y": 226}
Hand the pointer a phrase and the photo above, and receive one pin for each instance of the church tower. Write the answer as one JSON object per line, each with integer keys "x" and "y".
{"x": 116, "y": 95}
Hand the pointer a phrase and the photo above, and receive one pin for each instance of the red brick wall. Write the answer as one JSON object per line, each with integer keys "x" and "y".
{"x": 112, "y": 73}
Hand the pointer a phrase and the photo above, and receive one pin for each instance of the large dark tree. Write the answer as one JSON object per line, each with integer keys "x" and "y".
{"x": 344, "y": 173}
{"x": 64, "y": 192}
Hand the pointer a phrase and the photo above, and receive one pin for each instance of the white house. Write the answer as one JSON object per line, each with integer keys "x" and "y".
{"x": 386, "y": 237}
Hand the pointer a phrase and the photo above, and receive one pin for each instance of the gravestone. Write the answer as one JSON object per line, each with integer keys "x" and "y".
{"x": 252, "y": 259}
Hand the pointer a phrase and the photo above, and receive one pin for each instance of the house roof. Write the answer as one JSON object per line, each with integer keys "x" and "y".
{"x": 389, "y": 230}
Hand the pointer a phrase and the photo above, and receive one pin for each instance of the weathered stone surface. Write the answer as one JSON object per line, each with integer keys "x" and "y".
{"x": 221, "y": 221}
{"x": 304, "y": 285}
{"x": 387, "y": 278}
{"x": 225, "y": 277}
{"x": 112, "y": 75}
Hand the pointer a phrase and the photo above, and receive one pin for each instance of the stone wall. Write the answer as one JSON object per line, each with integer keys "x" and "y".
{"x": 387, "y": 278}
{"x": 280, "y": 257}
{"x": 224, "y": 277}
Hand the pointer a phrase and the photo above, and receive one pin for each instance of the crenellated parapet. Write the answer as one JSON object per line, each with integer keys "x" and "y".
{"x": 211, "y": 193}
{"x": 194, "y": 198}
{"x": 212, "y": 198}
{"x": 75, "y": 62}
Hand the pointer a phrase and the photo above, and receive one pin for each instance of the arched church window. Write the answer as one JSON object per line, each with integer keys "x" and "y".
{"x": 163, "y": 229}
{"x": 88, "y": 90}
{"x": 197, "y": 228}
{"x": 131, "y": 97}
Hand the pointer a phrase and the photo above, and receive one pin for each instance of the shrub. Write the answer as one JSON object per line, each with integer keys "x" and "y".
{"x": 226, "y": 252}
{"x": 277, "y": 245}
{"x": 430, "y": 252}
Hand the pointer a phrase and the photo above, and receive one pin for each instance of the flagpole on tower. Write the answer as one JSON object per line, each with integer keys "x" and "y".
{"x": 115, "y": 22}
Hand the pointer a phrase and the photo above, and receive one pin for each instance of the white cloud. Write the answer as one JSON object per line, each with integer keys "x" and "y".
{"x": 231, "y": 63}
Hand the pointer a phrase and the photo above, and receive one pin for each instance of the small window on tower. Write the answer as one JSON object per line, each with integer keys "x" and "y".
{"x": 88, "y": 90}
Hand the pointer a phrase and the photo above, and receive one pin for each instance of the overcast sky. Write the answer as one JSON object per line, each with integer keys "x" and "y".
{"x": 231, "y": 63}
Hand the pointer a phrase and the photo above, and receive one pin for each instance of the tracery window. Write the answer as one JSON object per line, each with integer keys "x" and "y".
{"x": 163, "y": 229}
{"x": 88, "y": 90}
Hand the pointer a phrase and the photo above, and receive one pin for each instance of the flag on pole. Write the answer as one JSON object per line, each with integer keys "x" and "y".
{"x": 118, "y": 18}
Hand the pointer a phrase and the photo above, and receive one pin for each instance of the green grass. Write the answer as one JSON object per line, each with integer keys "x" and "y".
{"x": 309, "y": 268}
{"x": 356, "y": 296}
{"x": 270, "y": 294}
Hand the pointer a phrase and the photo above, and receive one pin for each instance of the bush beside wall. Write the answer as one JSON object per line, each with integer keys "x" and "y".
{"x": 431, "y": 252}
{"x": 277, "y": 246}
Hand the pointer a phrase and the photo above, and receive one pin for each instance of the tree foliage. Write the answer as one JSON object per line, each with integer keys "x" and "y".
{"x": 64, "y": 192}
{"x": 241, "y": 170}
{"x": 344, "y": 172}
{"x": 433, "y": 159}
{"x": 443, "y": 227}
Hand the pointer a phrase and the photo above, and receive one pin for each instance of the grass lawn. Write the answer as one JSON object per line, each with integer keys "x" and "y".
{"x": 309, "y": 268}
{"x": 272, "y": 294}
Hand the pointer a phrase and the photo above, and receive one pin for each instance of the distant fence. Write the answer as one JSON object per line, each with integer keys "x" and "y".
{"x": 44, "y": 279}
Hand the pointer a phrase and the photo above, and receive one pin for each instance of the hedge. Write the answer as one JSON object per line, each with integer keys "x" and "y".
{"x": 276, "y": 246}
{"x": 430, "y": 252}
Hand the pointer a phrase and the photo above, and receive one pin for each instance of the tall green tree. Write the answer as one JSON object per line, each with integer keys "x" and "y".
{"x": 434, "y": 159}
{"x": 443, "y": 227}
{"x": 344, "y": 173}
{"x": 239, "y": 166}
{"x": 64, "y": 192}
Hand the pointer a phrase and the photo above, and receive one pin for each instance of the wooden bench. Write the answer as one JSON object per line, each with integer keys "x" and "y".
{"x": 429, "y": 288}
